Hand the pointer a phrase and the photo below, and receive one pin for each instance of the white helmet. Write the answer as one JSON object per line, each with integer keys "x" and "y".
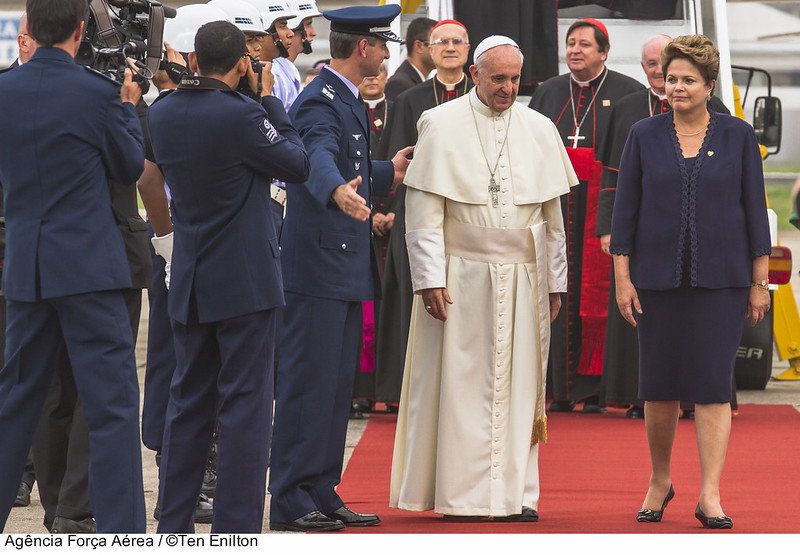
{"x": 303, "y": 9}
{"x": 242, "y": 14}
{"x": 272, "y": 10}
{"x": 180, "y": 30}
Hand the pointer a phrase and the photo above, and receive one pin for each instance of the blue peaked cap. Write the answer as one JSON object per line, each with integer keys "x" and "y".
{"x": 365, "y": 20}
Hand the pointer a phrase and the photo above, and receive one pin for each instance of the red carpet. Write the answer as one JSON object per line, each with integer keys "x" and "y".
{"x": 594, "y": 472}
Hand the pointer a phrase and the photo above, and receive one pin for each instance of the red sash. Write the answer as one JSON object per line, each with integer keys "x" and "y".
{"x": 596, "y": 273}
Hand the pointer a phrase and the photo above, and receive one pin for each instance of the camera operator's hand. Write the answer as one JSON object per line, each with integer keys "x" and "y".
{"x": 267, "y": 79}
{"x": 130, "y": 91}
{"x": 173, "y": 55}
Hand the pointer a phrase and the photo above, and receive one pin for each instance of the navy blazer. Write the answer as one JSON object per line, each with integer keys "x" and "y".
{"x": 403, "y": 78}
{"x": 219, "y": 152}
{"x": 64, "y": 133}
{"x": 720, "y": 207}
{"x": 326, "y": 252}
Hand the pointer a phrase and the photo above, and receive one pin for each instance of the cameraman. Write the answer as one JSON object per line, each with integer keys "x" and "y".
{"x": 65, "y": 131}
{"x": 219, "y": 150}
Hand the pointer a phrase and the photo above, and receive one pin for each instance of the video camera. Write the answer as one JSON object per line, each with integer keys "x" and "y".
{"x": 135, "y": 30}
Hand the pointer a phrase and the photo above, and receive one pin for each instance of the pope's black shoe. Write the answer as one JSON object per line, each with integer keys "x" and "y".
{"x": 63, "y": 525}
{"x": 23, "y": 498}
{"x": 527, "y": 515}
{"x": 314, "y": 521}
{"x": 352, "y": 518}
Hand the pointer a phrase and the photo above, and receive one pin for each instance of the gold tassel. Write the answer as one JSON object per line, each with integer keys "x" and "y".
{"x": 539, "y": 431}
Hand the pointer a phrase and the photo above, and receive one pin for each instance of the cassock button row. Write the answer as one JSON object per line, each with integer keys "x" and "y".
{"x": 344, "y": 246}
{"x": 499, "y": 389}
{"x": 496, "y": 440}
{"x": 497, "y": 414}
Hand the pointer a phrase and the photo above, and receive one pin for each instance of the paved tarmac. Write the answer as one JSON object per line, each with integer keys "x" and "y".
{"x": 29, "y": 519}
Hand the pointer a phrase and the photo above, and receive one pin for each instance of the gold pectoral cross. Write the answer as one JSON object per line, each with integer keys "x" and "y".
{"x": 494, "y": 189}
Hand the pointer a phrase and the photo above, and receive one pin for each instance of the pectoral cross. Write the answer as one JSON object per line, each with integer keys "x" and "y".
{"x": 576, "y": 137}
{"x": 494, "y": 188}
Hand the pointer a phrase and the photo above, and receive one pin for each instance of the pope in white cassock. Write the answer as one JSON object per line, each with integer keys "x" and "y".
{"x": 487, "y": 251}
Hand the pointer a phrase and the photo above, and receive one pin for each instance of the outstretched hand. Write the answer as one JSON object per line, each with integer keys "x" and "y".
{"x": 349, "y": 201}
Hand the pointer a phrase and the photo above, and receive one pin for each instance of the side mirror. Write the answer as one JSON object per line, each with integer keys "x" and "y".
{"x": 767, "y": 122}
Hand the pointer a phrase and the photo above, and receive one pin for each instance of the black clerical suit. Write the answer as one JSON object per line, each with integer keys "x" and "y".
{"x": 581, "y": 114}
{"x": 394, "y": 318}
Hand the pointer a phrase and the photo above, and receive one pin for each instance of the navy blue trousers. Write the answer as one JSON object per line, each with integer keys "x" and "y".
{"x": 224, "y": 371}
{"x": 95, "y": 329}
{"x": 319, "y": 352}
{"x": 160, "y": 357}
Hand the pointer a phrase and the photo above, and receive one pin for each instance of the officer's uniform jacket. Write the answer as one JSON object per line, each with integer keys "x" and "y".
{"x": 59, "y": 222}
{"x": 326, "y": 252}
{"x": 219, "y": 151}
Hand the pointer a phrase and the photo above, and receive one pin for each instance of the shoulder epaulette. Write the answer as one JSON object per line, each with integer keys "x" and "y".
{"x": 93, "y": 71}
{"x": 328, "y": 92}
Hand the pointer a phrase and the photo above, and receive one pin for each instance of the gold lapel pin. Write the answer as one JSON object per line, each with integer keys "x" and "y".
{"x": 711, "y": 153}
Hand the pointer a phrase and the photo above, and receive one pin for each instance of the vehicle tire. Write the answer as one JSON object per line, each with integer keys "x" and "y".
{"x": 753, "y": 368}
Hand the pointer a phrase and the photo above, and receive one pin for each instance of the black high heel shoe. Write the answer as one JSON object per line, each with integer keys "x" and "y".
{"x": 714, "y": 522}
{"x": 649, "y": 515}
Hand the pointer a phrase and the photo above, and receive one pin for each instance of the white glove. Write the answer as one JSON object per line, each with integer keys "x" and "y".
{"x": 163, "y": 247}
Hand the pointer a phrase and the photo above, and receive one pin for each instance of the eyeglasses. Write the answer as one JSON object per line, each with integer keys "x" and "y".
{"x": 447, "y": 42}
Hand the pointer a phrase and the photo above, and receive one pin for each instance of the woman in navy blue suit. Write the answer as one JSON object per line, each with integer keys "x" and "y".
{"x": 691, "y": 247}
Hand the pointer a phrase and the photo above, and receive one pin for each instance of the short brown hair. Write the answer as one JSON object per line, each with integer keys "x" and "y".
{"x": 344, "y": 44}
{"x": 698, "y": 49}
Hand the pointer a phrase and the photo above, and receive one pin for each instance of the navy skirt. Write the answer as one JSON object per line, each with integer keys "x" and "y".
{"x": 688, "y": 339}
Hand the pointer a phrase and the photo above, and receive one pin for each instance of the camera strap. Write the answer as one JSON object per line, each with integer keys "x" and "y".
{"x": 203, "y": 83}
{"x": 106, "y": 31}
{"x": 155, "y": 37}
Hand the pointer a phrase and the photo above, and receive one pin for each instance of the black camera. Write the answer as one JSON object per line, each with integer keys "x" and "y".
{"x": 135, "y": 30}
{"x": 244, "y": 85}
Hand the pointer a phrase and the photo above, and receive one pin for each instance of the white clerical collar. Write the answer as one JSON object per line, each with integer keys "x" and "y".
{"x": 373, "y": 103}
{"x": 422, "y": 76}
{"x": 450, "y": 87}
{"x": 586, "y": 83}
{"x": 477, "y": 104}
{"x": 659, "y": 96}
